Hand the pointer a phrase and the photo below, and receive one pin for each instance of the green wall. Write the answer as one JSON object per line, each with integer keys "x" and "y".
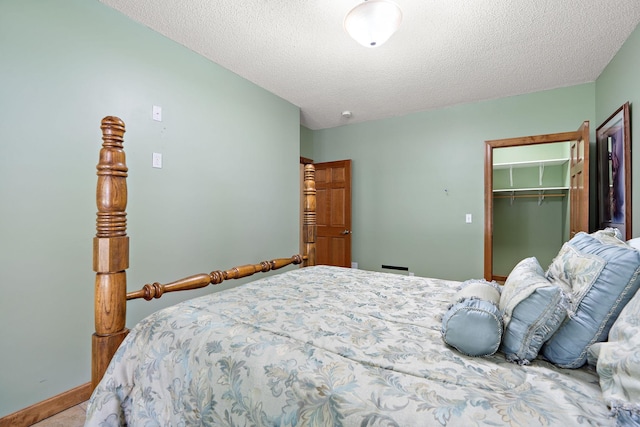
{"x": 525, "y": 229}
{"x": 306, "y": 142}
{"x": 618, "y": 84}
{"x": 415, "y": 177}
{"x": 227, "y": 194}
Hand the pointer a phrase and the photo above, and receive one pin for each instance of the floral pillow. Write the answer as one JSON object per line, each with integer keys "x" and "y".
{"x": 618, "y": 363}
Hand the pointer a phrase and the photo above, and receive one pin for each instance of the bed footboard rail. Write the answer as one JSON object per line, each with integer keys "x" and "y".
{"x": 156, "y": 290}
{"x": 111, "y": 250}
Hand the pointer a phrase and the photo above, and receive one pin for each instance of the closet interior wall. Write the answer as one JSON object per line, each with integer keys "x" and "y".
{"x": 530, "y": 204}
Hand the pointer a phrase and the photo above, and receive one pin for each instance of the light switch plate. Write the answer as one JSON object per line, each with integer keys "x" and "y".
{"x": 156, "y": 161}
{"x": 156, "y": 113}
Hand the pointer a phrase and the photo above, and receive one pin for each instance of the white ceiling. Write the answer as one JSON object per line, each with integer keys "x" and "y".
{"x": 446, "y": 52}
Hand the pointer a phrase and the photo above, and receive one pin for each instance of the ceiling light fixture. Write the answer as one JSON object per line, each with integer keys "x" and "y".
{"x": 372, "y": 22}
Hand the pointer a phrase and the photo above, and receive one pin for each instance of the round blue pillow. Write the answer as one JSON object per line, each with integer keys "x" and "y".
{"x": 474, "y": 325}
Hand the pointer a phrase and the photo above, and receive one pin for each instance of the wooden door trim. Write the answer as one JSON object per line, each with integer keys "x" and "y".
{"x": 488, "y": 180}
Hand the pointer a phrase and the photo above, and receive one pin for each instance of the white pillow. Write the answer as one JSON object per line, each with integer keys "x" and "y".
{"x": 634, "y": 243}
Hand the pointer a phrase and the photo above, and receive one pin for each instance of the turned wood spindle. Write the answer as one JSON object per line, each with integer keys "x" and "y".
{"x": 110, "y": 248}
{"x": 309, "y": 223}
{"x": 156, "y": 290}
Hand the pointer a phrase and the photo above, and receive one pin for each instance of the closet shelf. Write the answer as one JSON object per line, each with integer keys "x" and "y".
{"x": 528, "y": 164}
{"x": 540, "y": 165}
{"x": 519, "y": 190}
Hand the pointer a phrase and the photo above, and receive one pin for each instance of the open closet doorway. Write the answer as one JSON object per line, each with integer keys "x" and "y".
{"x": 574, "y": 188}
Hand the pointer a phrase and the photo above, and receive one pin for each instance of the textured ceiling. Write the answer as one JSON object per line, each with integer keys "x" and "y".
{"x": 446, "y": 52}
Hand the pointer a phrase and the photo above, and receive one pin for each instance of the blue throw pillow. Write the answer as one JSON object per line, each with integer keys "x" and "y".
{"x": 601, "y": 273}
{"x": 532, "y": 308}
{"x": 473, "y": 324}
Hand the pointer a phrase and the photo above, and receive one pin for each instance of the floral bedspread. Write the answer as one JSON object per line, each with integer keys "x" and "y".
{"x": 328, "y": 346}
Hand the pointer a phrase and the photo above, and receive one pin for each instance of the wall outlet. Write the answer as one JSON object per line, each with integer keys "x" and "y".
{"x": 354, "y": 265}
{"x": 411, "y": 273}
{"x": 468, "y": 219}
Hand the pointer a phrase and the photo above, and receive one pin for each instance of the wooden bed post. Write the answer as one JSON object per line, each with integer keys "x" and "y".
{"x": 110, "y": 249}
{"x": 309, "y": 224}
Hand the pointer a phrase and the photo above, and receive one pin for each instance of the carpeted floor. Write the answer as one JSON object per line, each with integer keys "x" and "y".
{"x": 72, "y": 417}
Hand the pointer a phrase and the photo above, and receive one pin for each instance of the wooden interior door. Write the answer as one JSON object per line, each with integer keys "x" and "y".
{"x": 579, "y": 192}
{"x": 333, "y": 213}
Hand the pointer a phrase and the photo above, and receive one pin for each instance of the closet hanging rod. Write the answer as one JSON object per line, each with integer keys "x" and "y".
{"x": 519, "y": 196}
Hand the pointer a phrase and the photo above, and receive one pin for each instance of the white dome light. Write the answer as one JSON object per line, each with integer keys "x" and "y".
{"x": 372, "y": 23}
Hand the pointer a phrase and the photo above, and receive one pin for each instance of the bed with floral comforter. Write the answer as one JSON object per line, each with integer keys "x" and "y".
{"x": 327, "y": 346}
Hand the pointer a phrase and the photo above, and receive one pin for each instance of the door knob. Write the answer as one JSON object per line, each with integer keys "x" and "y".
{"x": 346, "y": 232}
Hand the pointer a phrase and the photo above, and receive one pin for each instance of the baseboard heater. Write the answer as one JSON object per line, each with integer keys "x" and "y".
{"x": 394, "y": 267}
